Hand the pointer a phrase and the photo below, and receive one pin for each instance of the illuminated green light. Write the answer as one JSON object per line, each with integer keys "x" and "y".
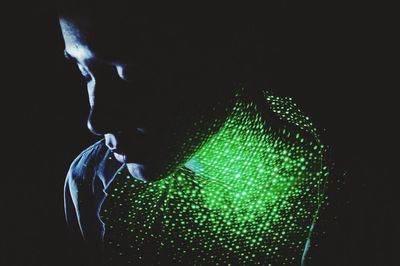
{"x": 246, "y": 191}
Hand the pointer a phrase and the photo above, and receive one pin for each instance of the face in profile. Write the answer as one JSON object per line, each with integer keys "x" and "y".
{"x": 157, "y": 88}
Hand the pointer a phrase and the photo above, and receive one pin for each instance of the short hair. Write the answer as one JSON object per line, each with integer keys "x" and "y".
{"x": 254, "y": 31}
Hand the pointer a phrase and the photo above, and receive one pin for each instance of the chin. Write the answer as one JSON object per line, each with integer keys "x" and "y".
{"x": 143, "y": 172}
{"x": 128, "y": 158}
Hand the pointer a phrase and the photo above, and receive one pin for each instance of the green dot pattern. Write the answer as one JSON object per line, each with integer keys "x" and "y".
{"x": 249, "y": 195}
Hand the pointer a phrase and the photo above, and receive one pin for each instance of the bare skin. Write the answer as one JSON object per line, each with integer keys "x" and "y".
{"x": 137, "y": 105}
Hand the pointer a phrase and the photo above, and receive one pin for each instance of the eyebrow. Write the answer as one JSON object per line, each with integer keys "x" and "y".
{"x": 72, "y": 58}
{"x": 78, "y": 53}
{"x": 69, "y": 56}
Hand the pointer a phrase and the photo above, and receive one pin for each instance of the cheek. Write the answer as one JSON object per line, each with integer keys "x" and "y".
{"x": 180, "y": 130}
{"x": 182, "y": 139}
{"x": 177, "y": 105}
{"x": 90, "y": 92}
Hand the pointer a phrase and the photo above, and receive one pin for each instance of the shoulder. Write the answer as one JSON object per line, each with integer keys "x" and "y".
{"x": 88, "y": 160}
{"x": 283, "y": 114}
{"x": 289, "y": 111}
{"x": 83, "y": 190}
{"x": 94, "y": 168}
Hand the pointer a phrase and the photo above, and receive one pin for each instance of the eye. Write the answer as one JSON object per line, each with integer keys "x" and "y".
{"x": 125, "y": 72}
{"x": 85, "y": 73}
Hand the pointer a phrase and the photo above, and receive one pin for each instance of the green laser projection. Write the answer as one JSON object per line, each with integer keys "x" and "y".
{"x": 249, "y": 195}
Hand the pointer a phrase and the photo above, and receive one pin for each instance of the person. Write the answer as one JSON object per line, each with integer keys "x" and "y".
{"x": 197, "y": 165}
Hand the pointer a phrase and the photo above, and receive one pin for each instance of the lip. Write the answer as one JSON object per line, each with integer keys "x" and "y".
{"x": 132, "y": 147}
{"x": 136, "y": 159}
{"x": 117, "y": 151}
{"x": 122, "y": 142}
{"x": 120, "y": 157}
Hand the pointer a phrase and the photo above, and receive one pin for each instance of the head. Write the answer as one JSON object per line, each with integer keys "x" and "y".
{"x": 159, "y": 81}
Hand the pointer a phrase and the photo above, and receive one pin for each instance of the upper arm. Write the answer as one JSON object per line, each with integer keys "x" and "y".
{"x": 69, "y": 209}
{"x": 82, "y": 194}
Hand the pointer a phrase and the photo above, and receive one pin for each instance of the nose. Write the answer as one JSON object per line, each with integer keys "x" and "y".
{"x": 105, "y": 97}
{"x": 102, "y": 120}
{"x": 117, "y": 105}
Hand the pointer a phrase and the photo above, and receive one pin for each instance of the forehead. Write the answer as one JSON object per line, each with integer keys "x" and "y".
{"x": 107, "y": 39}
{"x": 140, "y": 37}
{"x": 132, "y": 38}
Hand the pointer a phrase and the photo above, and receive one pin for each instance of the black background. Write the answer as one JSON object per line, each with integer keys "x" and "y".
{"x": 335, "y": 61}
